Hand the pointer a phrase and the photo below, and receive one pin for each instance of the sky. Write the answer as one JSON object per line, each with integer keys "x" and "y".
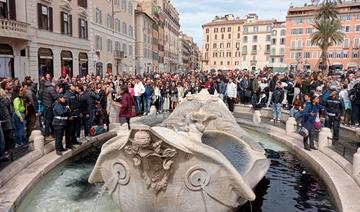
{"x": 195, "y": 13}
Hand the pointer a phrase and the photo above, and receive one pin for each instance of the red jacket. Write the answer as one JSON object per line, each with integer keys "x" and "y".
{"x": 126, "y": 106}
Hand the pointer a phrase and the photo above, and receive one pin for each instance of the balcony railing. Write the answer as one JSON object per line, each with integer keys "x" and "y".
{"x": 14, "y": 29}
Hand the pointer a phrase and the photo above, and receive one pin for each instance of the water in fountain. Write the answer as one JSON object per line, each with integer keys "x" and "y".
{"x": 288, "y": 186}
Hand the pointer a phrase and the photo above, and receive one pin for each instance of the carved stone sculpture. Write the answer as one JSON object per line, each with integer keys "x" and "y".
{"x": 178, "y": 166}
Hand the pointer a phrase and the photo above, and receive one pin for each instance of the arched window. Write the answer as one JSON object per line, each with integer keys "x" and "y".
{"x": 46, "y": 62}
{"x": 83, "y": 64}
{"x": 66, "y": 64}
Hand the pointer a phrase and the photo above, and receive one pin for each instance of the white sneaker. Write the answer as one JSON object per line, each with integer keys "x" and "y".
{"x": 272, "y": 120}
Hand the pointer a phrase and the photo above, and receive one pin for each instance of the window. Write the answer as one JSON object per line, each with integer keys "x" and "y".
{"x": 229, "y": 36}
{"x": 98, "y": 16}
{"x": 214, "y": 46}
{"x": 309, "y": 30}
{"x": 254, "y": 48}
{"x": 267, "y": 48}
{"x": 123, "y": 5}
{"x": 345, "y": 17}
{"x": 222, "y": 29}
{"x": 355, "y": 54}
{"x": 215, "y": 37}
{"x": 83, "y": 29}
{"x": 221, "y": 45}
{"x": 229, "y": 29}
{"x": 244, "y": 49}
{"x": 346, "y": 43}
{"x": 283, "y": 32}
{"x": 245, "y": 39}
{"x": 222, "y": 36}
{"x": 239, "y": 28}
{"x": 292, "y": 55}
{"x": 268, "y": 38}
{"x": 131, "y": 32}
{"x": 98, "y": 42}
{"x": 66, "y": 23}
{"x": 273, "y": 41}
{"x": 274, "y": 32}
{"x": 256, "y": 29}
{"x": 246, "y": 29}
{"x": 207, "y": 30}
{"x": 131, "y": 51}
{"x": 82, "y": 3}
{"x": 356, "y": 43}
{"x": 238, "y": 36}
{"x": 282, "y": 51}
{"x": 109, "y": 21}
{"x": 216, "y": 30}
{"x": 124, "y": 48}
{"x": 282, "y": 41}
{"x": 228, "y": 45}
{"x": 293, "y": 44}
{"x": 308, "y": 43}
{"x": 109, "y": 45}
{"x": 124, "y": 28}
{"x": 299, "y": 44}
{"x": 273, "y": 51}
{"x": 358, "y": 28}
{"x": 268, "y": 28}
{"x": 130, "y": 8}
{"x": 117, "y": 25}
{"x": 45, "y": 17}
{"x": 307, "y": 55}
{"x": 244, "y": 58}
{"x": 255, "y": 38}
{"x": 345, "y": 28}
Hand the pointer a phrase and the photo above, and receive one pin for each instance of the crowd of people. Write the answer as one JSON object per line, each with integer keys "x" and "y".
{"x": 66, "y": 106}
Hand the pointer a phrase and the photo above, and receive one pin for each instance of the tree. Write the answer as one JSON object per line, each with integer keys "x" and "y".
{"x": 327, "y": 30}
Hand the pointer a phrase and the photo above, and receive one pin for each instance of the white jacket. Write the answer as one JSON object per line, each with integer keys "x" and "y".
{"x": 139, "y": 89}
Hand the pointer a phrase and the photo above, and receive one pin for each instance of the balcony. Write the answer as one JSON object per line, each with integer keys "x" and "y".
{"x": 14, "y": 29}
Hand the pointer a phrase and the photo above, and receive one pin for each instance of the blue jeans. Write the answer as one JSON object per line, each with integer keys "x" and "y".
{"x": 138, "y": 106}
{"x": 2, "y": 142}
{"x": 19, "y": 130}
{"x": 276, "y": 110}
{"x": 147, "y": 104}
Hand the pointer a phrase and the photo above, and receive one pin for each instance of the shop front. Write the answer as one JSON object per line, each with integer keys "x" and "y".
{"x": 83, "y": 64}
{"x": 66, "y": 64}
{"x": 6, "y": 61}
{"x": 46, "y": 62}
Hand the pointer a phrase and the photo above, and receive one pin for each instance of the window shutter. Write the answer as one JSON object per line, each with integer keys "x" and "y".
{"x": 39, "y": 16}
{"x": 70, "y": 24}
{"x": 50, "y": 19}
{"x": 80, "y": 28}
{"x": 12, "y": 9}
{"x": 86, "y": 30}
{"x": 62, "y": 22}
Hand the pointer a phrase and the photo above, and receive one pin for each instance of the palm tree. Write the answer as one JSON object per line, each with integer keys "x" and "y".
{"x": 327, "y": 30}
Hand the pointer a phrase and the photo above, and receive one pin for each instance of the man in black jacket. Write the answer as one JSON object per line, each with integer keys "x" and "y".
{"x": 355, "y": 104}
{"x": 72, "y": 100}
{"x": 61, "y": 115}
{"x": 48, "y": 99}
{"x": 91, "y": 97}
{"x": 334, "y": 109}
{"x": 31, "y": 101}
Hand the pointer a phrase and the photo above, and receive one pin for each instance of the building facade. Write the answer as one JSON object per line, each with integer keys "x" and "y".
{"x": 144, "y": 42}
{"x": 41, "y": 36}
{"x": 112, "y": 37}
{"x": 233, "y": 43}
{"x": 300, "y": 54}
{"x": 189, "y": 53}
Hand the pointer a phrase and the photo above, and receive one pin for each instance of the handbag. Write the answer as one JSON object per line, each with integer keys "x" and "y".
{"x": 317, "y": 123}
{"x": 304, "y": 132}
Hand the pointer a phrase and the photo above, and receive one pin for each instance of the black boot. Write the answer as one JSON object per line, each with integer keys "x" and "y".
{"x": 306, "y": 146}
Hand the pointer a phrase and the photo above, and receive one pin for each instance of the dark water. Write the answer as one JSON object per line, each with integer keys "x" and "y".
{"x": 287, "y": 187}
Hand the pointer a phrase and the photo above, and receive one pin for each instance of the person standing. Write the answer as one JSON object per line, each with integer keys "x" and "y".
{"x": 31, "y": 102}
{"x": 72, "y": 100}
{"x": 48, "y": 99}
{"x": 19, "y": 118}
{"x": 231, "y": 93}
{"x": 277, "y": 98}
{"x": 91, "y": 97}
{"x": 125, "y": 106}
{"x": 61, "y": 115}
{"x": 6, "y": 120}
{"x": 149, "y": 90}
{"x": 355, "y": 104}
{"x": 344, "y": 96}
{"x": 139, "y": 90}
{"x": 334, "y": 110}
{"x": 311, "y": 111}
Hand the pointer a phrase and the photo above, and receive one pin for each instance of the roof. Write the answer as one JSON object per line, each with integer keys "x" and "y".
{"x": 225, "y": 22}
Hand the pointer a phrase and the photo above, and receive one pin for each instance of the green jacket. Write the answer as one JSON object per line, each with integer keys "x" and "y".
{"x": 19, "y": 106}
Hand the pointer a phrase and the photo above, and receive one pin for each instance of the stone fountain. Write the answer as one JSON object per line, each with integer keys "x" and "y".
{"x": 178, "y": 165}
